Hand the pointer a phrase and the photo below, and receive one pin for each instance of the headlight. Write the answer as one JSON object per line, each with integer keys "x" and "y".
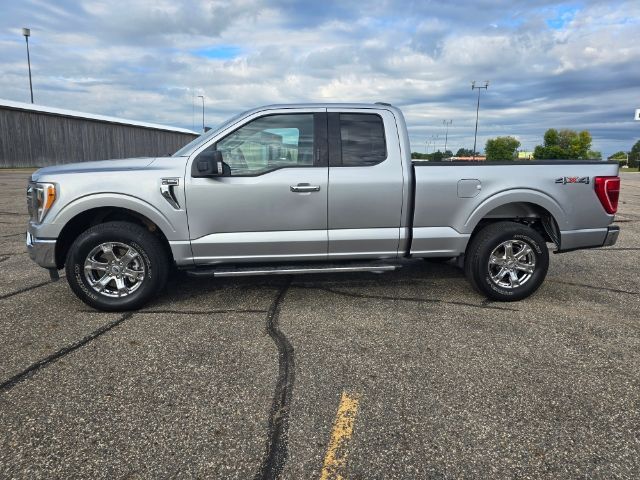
{"x": 40, "y": 198}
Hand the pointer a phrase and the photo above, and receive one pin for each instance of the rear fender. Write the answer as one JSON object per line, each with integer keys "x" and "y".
{"x": 506, "y": 197}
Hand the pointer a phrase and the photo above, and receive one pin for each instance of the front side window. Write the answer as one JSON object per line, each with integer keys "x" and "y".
{"x": 269, "y": 143}
{"x": 362, "y": 138}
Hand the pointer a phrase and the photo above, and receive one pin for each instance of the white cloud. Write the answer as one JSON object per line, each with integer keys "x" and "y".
{"x": 147, "y": 59}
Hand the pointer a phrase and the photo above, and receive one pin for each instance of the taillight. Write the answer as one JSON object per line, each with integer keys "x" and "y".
{"x": 608, "y": 191}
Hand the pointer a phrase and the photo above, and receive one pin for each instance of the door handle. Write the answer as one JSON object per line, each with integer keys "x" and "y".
{"x": 304, "y": 188}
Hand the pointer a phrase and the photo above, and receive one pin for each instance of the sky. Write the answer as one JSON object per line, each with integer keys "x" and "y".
{"x": 549, "y": 64}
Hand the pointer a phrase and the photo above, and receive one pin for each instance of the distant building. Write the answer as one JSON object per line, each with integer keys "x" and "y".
{"x": 477, "y": 158}
{"x": 37, "y": 136}
{"x": 525, "y": 155}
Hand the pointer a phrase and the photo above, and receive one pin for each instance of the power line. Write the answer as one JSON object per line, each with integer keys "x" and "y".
{"x": 473, "y": 87}
{"x": 27, "y": 33}
{"x": 446, "y": 123}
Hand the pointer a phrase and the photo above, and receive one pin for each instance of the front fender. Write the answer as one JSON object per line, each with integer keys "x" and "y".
{"x": 53, "y": 228}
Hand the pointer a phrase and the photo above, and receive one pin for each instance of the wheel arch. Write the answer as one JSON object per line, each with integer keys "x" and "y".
{"x": 529, "y": 207}
{"x": 97, "y": 215}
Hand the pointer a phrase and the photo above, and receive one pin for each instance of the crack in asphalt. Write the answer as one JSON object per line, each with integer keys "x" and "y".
{"x": 277, "y": 438}
{"x": 26, "y": 289}
{"x": 408, "y": 299}
{"x": 42, "y": 363}
{"x": 604, "y": 249}
{"x": 594, "y": 287}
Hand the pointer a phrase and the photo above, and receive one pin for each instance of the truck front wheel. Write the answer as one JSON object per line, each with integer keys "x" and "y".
{"x": 507, "y": 261}
{"x": 116, "y": 266}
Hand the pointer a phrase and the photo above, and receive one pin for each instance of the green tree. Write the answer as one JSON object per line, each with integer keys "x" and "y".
{"x": 437, "y": 156}
{"x": 501, "y": 148}
{"x": 551, "y": 138}
{"x": 634, "y": 155}
{"x": 564, "y": 144}
{"x": 465, "y": 152}
{"x": 620, "y": 157}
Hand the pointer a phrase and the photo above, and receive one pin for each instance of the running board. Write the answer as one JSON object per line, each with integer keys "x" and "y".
{"x": 292, "y": 270}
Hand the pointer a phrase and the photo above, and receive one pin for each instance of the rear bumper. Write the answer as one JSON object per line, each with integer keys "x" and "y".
{"x": 612, "y": 236}
{"x": 588, "y": 238}
{"x": 42, "y": 251}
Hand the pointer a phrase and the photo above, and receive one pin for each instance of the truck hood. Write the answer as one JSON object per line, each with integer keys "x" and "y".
{"x": 123, "y": 165}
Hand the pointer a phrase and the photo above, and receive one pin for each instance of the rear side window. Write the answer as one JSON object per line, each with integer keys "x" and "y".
{"x": 362, "y": 139}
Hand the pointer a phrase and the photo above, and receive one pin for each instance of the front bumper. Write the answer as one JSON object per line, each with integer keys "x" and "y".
{"x": 42, "y": 251}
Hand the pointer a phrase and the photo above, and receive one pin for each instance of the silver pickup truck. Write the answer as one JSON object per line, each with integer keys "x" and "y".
{"x": 291, "y": 189}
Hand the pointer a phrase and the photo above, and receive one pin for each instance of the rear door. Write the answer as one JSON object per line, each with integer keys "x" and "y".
{"x": 365, "y": 184}
{"x": 273, "y": 206}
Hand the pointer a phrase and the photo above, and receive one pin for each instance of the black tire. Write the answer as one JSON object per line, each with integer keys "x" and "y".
{"x": 478, "y": 271}
{"x": 152, "y": 260}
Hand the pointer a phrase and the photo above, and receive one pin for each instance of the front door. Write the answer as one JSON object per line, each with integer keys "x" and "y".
{"x": 273, "y": 206}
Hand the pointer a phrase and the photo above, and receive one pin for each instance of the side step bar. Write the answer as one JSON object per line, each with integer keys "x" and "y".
{"x": 289, "y": 270}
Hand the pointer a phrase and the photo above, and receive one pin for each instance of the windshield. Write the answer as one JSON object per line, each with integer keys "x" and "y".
{"x": 196, "y": 142}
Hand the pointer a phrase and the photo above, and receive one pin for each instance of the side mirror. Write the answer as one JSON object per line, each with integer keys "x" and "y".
{"x": 210, "y": 164}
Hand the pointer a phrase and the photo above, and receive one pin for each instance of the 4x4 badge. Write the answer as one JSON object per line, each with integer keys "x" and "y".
{"x": 565, "y": 180}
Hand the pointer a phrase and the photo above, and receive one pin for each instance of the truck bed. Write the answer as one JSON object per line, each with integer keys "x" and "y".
{"x": 451, "y": 198}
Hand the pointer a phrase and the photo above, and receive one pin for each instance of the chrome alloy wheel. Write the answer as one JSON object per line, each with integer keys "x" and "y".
{"x": 511, "y": 264}
{"x": 114, "y": 269}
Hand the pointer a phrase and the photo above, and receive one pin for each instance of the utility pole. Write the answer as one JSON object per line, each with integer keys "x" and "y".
{"x": 426, "y": 146}
{"x": 27, "y": 33}
{"x": 446, "y": 123}
{"x": 434, "y": 139}
{"x": 473, "y": 87}
{"x": 202, "y": 97}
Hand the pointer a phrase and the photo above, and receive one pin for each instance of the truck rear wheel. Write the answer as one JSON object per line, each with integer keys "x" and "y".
{"x": 507, "y": 261}
{"x": 116, "y": 266}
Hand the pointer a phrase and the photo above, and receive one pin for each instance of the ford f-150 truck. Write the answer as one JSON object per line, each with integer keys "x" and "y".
{"x": 291, "y": 189}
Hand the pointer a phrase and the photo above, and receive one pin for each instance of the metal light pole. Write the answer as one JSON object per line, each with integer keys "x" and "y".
{"x": 202, "y": 97}
{"x": 27, "y": 33}
{"x": 473, "y": 87}
{"x": 434, "y": 139}
{"x": 426, "y": 146}
{"x": 446, "y": 123}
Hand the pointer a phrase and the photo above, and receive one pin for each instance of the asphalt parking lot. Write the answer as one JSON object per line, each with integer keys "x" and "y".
{"x": 408, "y": 374}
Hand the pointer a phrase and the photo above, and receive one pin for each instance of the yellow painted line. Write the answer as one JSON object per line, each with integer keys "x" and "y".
{"x": 335, "y": 460}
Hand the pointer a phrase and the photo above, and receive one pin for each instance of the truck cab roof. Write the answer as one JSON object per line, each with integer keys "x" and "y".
{"x": 191, "y": 146}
